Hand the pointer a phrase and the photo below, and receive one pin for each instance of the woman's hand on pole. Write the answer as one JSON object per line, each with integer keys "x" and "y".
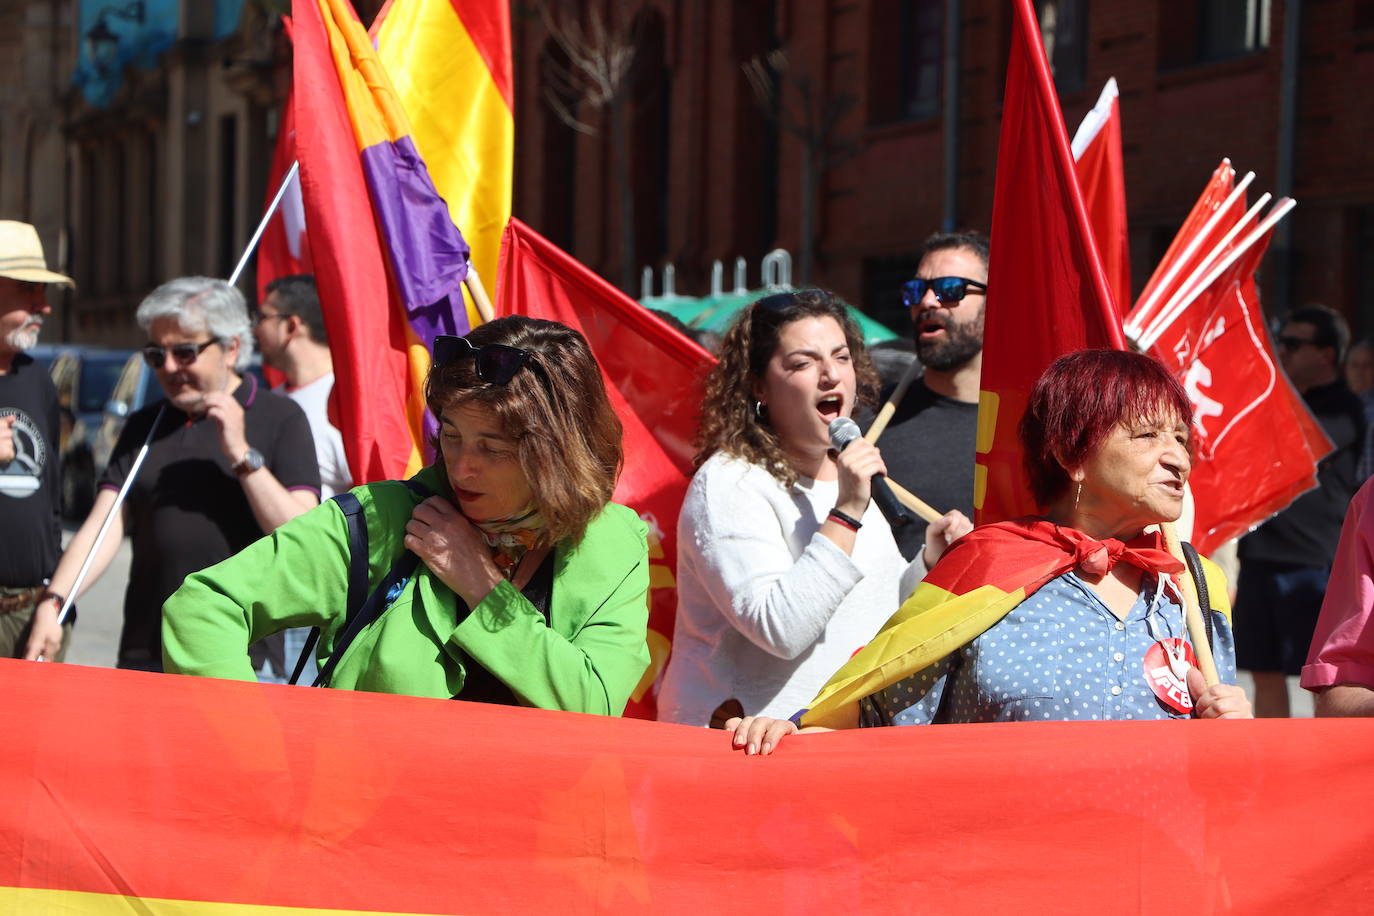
{"x": 944, "y": 531}
{"x": 453, "y": 549}
{"x": 1220, "y": 701}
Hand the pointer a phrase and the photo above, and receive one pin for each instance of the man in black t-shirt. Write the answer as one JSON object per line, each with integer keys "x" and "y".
{"x": 929, "y": 443}
{"x": 1286, "y": 561}
{"x": 31, "y": 536}
{"x": 227, "y": 462}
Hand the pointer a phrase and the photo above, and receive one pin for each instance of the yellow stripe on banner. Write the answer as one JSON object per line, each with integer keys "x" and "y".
{"x": 459, "y": 122}
{"x": 377, "y": 114}
{"x": 34, "y": 901}
{"x": 931, "y": 624}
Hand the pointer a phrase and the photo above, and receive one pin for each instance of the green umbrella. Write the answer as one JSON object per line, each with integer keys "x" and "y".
{"x": 715, "y": 313}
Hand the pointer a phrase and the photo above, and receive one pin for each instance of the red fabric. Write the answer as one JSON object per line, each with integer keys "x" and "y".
{"x": 158, "y": 786}
{"x": 1025, "y": 553}
{"x": 1102, "y": 175}
{"x": 284, "y": 249}
{"x": 1047, "y": 293}
{"x": 1255, "y": 444}
{"x": 367, "y": 331}
{"x": 653, "y": 375}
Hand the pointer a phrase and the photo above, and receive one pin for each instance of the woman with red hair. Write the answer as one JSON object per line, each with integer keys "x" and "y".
{"x": 1075, "y": 615}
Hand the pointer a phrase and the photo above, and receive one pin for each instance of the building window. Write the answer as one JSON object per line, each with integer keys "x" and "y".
{"x": 1204, "y": 31}
{"x": 1064, "y": 30}
{"x": 906, "y": 60}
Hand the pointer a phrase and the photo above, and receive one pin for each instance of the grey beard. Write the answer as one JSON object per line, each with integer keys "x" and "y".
{"x": 21, "y": 339}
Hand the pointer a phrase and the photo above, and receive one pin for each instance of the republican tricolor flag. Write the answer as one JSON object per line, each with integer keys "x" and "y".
{"x": 450, "y": 65}
{"x": 389, "y": 260}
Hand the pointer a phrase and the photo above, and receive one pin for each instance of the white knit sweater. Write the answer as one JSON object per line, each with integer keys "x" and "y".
{"x": 768, "y": 608}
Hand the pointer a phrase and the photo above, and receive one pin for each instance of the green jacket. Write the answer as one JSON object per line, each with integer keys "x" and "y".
{"x": 587, "y": 658}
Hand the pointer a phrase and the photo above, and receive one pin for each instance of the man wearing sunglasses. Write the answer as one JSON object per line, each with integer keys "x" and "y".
{"x": 929, "y": 444}
{"x": 1285, "y": 563}
{"x": 228, "y": 461}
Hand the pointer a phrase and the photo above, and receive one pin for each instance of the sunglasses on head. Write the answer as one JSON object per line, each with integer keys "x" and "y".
{"x": 946, "y": 289}
{"x": 183, "y": 354}
{"x": 496, "y": 363}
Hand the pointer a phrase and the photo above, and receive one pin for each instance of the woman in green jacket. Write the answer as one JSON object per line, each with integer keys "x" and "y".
{"x": 531, "y": 586}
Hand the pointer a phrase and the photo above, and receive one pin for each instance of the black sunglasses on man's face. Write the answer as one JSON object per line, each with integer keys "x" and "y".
{"x": 496, "y": 363}
{"x": 946, "y": 289}
{"x": 184, "y": 354}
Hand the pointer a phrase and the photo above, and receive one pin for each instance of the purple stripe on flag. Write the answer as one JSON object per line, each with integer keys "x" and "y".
{"x": 428, "y": 256}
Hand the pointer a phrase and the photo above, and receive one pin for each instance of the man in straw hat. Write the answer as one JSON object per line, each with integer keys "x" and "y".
{"x": 31, "y": 541}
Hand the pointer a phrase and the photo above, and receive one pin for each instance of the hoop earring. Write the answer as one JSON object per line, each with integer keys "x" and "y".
{"x": 759, "y": 409}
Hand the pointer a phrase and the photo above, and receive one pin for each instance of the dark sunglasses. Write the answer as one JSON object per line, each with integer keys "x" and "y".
{"x": 183, "y": 354}
{"x": 1294, "y": 344}
{"x": 496, "y": 363}
{"x": 946, "y": 289}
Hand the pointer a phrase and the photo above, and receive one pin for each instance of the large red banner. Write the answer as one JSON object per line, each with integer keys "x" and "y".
{"x": 653, "y": 375}
{"x": 133, "y": 792}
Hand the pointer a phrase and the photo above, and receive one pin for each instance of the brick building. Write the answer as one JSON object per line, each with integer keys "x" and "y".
{"x": 714, "y": 178}
{"x": 168, "y": 177}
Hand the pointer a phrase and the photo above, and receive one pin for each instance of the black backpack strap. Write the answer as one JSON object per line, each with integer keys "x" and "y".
{"x": 357, "y": 571}
{"x": 362, "y": 613}
{"x": 1204, "y": 600}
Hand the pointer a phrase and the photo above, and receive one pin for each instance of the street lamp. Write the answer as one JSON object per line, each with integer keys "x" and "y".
{"x": 102, "y": 44}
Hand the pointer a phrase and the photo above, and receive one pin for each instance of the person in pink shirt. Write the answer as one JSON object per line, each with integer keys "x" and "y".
{"x": 1340, "y": 664}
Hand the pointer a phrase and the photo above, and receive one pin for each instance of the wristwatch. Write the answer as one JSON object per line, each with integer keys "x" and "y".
{"x": 250, "y": 462}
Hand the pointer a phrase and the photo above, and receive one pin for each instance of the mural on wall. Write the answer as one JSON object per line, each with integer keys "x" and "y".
{"x": 115, "y": 36}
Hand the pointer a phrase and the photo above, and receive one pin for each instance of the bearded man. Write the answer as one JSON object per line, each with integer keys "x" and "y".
{"x": 929, "y": 444}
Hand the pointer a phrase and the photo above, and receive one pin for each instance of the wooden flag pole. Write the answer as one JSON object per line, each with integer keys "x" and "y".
{"x": 890, "y": 408}
{"x": 478, "y": 292}
{"x": 912, "y": 501}
{"x": 904, "y": 496}
{"x": 1197, "y": 629}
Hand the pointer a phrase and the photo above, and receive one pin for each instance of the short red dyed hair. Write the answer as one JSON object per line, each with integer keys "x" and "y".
{"x": 1079, "y": 400}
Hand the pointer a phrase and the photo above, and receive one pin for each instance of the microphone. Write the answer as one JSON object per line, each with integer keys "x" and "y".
{"x": 844, "y": 431}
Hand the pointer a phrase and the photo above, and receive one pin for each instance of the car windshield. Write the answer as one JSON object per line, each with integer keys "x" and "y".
{"x": 99, "y": 372}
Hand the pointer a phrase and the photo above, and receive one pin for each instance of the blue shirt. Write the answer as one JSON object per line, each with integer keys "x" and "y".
{"x": 1061, "y": 655}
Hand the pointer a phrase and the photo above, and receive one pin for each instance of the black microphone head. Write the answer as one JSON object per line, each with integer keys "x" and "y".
{"x": 843, "y": 431}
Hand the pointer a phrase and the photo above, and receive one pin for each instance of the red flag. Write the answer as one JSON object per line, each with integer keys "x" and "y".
{"x": 284, "y": 249}
{"x": 1202, "y": 231}
{"x": 1047, "y": 293}
{"x": 1102, "y": 175}
{"x": 1256, "y": 447}
{"x": 653, "y": 375}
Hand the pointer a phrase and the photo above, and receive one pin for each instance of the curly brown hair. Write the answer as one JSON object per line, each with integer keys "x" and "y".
{"x": 556, "y": 409}
{"x": 729, "y": 422}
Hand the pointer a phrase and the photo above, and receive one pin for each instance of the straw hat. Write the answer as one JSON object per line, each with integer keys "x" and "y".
{"x": 21, "y": 255}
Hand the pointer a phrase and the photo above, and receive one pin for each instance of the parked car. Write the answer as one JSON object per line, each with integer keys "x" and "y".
{"x": 84, "y": 377}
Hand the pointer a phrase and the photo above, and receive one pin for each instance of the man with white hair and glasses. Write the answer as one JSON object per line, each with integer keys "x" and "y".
{"x": 29, "y": 428}
{"x": 228, "y": 462}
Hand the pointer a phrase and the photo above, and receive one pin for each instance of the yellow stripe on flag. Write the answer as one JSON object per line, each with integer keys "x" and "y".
{"x": 931, "y": 624}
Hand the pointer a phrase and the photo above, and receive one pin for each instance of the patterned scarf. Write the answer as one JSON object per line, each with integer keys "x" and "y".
{"x": 511, "y": 537}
